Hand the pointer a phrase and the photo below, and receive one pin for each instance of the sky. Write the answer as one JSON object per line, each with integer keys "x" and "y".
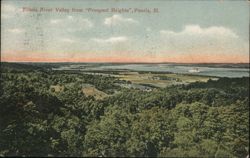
{"x": 181, "y": 31}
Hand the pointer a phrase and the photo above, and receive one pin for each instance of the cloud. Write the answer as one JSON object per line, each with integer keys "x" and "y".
{"x": 148, "y": 29}
{"x": 111, "y": 40}
{"x": 72, "y": 24}
{"x": 68, "y": 40}
{"x": 7, "y": 11}
{"x": 118, "y": 19}
{"x": 16, "y": 30}
{"x": 55, "y": 21}
{"x": 196, "y": 39}
{"x": 8, "y": 8}
{"x": 196, "y": 30}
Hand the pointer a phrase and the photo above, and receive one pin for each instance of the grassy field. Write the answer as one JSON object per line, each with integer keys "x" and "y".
{"x": 92, "y": 91}
{"x": 56, "y": 88}
{"x": 161, "y": 80}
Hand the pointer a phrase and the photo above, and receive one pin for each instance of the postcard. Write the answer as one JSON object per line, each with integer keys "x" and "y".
{"x": 124, "y": 78}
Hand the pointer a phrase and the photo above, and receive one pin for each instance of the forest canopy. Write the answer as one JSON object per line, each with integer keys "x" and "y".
{"x": 46, "y": 113}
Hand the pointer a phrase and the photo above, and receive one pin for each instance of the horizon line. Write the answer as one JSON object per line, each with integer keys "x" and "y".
{"x": 120, "y": 62}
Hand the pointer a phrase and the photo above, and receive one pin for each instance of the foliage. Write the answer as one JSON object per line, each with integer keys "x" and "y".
{"x": 200, "y": 119}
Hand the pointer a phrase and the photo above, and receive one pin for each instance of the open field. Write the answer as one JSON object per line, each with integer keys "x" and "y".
{"x": 92, "y": 91}
{"x": 56, "y": 88}
{"x": 160, "y": 80}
